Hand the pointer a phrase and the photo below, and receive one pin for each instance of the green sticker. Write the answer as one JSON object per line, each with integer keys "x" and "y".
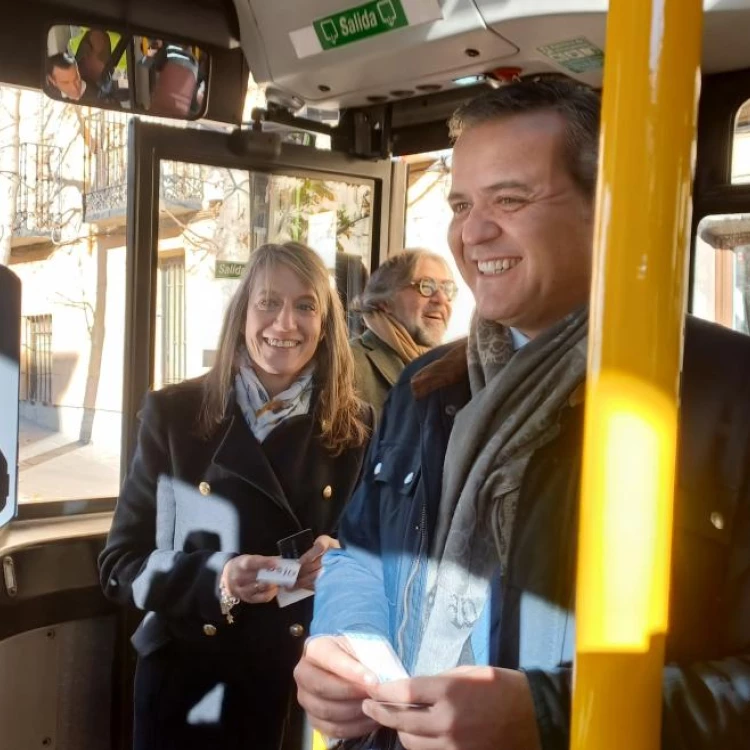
{"x": 229, "y": 269}
{"x": 369, "y": 19}
{"x": 577, "y": 55}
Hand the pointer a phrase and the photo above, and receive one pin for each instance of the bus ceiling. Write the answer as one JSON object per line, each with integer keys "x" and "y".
{"x": 390, "y": 65}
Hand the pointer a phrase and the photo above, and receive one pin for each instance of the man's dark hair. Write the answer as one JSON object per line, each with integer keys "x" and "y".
{"x": 579, "y": 106}
{"x": 63, "y": 61}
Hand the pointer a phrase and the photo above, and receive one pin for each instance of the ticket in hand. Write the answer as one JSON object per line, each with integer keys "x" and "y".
{"x": 377, "y": 654}
{"x": 284, "y": 573}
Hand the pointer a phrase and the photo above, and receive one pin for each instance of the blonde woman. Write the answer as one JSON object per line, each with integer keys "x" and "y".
{"x": 268, "y": 444}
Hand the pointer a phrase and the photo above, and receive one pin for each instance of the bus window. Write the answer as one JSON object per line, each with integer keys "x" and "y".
{"x": 427, "y": 218}
{"x": 211, "y": 219}
{"x": 65, "y": 180}
{"x": 721, "y": 288}
{"x": 741, "y": 146}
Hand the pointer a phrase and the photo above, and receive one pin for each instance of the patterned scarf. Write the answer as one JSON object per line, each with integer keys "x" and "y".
{"x": 263, "y": 413}
{"x": 514, "y": 410}
{"x": 388, "y": 329}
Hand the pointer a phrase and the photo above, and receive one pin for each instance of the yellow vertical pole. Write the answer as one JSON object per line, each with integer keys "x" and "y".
{"x": 651, "y": 81}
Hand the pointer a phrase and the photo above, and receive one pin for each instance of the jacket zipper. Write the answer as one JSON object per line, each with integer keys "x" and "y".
{"x": 410, "y": 581}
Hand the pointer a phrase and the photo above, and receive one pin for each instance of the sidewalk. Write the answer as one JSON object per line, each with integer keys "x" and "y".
{"x": 52, "y": 467}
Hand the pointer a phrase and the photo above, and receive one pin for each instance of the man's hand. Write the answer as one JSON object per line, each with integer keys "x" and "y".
{"x": 331, "y": 685}
{"x": 312, "y": 562}
{"x": 468, "y": 708}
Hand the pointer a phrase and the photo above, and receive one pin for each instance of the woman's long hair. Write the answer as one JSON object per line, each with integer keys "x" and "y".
{"x": 339, "y": 409}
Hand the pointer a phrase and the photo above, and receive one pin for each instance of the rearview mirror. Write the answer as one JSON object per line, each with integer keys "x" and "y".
{"x": 99, "y": 67}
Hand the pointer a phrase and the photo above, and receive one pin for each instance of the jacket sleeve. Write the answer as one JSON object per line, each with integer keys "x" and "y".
{"x": 349, "y": 595}
{"x": 706, "y": 704}
{"x": 132, "y": 570}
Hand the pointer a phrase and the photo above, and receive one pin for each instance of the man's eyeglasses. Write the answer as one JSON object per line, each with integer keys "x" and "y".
{"x": 427, "y": 287}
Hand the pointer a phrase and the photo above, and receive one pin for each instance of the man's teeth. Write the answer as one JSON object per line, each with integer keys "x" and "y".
{"x": 492, "y": 267}
{"x": 282, "y": 343}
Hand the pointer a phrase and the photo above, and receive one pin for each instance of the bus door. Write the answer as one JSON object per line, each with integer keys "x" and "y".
{"x": 200, "y": 202}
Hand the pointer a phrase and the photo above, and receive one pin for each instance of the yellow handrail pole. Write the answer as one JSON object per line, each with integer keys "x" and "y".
{"x": 651, "y": 81}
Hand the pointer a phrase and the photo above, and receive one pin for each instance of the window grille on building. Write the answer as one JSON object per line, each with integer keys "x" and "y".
{"x": 173, "y": 319}
{"x": 39, "y": 358}
{"x": 105, "y": 165}
{"x": 38, "y": 207}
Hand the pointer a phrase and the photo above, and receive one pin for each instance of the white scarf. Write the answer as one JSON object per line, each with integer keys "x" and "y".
{"x": 263, "y": 413}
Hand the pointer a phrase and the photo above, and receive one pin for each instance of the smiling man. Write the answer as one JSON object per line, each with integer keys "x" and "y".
{"x": 459, "y": 547}
{"x": 406, "y": 307}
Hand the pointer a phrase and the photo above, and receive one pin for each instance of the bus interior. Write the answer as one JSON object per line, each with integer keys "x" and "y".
{"x": 126, "y": 222}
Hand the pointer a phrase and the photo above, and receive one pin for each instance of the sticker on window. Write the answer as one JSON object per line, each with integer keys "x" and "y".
{"x": 577, "y": 55}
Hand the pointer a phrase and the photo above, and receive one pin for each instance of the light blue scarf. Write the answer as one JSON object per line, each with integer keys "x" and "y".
{"x": 263, "y": 413}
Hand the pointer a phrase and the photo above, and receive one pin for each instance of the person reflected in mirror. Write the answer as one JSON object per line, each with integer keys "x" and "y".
{"x": 268, "y": 443}
{"x": 64, "y": 79}
{"x": 459, "y": 547}
{"x": 406, "y": 306}
{"x": 173, "y": 79}
{"x": 93, "y": 55}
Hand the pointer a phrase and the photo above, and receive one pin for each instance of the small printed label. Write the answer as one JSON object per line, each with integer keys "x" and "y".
{"x": 577, "y": 55}
{"x": 284, "y": 573}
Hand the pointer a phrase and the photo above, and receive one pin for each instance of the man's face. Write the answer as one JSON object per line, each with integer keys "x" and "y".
{"x": 521, "y": 231}
{"x": 68, "y": 81}
{"x": 94, "y": 57}
{"x": 426, "y": 318}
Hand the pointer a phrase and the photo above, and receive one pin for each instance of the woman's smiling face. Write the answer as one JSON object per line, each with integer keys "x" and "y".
{"x": 283, "y": 327}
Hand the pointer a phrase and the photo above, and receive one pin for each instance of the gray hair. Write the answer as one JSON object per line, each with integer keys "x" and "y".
{"x": 578, "y": 105}
{"x": 395, "y": 273}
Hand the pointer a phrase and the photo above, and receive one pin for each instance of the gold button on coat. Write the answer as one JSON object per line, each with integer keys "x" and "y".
{"x": 204, "y": 488}
{"x": 717, "y": 520}
{"x": 328, "y": 492}
{"x": 209, "y": 629}
{"x": 296, "y": 630}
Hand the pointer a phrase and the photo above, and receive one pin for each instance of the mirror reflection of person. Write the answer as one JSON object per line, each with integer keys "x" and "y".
{"x": 93, "y": 54}
{"x": 64, "y": 77}
{"x": 268, "y": 443}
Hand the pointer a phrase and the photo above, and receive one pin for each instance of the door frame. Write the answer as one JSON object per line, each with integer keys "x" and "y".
{"x": 148, "y": 145}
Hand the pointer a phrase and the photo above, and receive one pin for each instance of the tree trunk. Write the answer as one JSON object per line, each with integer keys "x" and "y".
{"x": 97, "y": 345}
{"x": 10, "y": 116}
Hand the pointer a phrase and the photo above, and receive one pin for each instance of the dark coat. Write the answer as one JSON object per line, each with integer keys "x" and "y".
{"x": 376, "y": 369}
{"x": 388, "y": 526}
{"x": 260, "y": 494}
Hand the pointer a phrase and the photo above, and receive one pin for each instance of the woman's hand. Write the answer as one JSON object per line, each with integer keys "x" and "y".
{"x": 312, "y": 561}
{"x": 240, "y": 578}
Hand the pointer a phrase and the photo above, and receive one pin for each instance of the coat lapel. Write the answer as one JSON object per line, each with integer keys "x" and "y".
{"x": 241, "y": 454}
{"x": 383, "y": 358}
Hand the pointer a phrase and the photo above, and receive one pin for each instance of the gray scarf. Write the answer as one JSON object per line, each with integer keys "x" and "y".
{"x": 514, "y": 410}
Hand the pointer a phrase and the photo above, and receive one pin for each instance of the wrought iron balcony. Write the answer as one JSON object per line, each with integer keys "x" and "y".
{"x": 38, "y": 205}
{"x": 180, "y": 189}
{"x": 105, "y": 174}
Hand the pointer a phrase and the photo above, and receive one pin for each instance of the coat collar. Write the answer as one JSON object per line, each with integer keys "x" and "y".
{"x": 383, "y": 358}
{"x": 450, "y": 369}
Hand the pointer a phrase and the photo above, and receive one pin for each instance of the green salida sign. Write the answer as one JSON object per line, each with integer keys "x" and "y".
{"x": 354, "y": 24}
{"x": 229, "y": 269}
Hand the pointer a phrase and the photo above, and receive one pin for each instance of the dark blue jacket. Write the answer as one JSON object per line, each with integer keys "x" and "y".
{"x": 376, "y": 582}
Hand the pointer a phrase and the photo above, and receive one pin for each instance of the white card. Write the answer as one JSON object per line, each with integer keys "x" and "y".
{"x": 285, "y": 597}
{"x": 284, "y": 573}
{"x": 377, "y": 654}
